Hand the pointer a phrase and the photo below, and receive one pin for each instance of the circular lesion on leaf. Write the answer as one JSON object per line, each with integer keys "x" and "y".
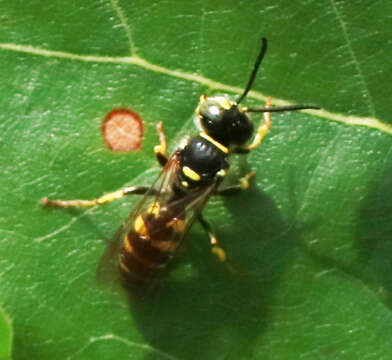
{"x": 122, "y": 130}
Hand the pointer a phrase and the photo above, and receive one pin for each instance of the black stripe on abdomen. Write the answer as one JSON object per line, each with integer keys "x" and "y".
{"x": 142, "y": 257}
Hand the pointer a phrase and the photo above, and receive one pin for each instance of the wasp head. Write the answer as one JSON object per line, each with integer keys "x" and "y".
{"x": 223, "y": 120}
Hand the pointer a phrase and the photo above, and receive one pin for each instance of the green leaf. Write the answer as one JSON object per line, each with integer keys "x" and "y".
{"x": 5, "y": 336}
{"x": 309, "y": 243}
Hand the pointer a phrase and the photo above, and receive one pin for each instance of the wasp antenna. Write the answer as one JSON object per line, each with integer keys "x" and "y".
{"x": 255, "y": 69}
{"x": 282, "y": 108}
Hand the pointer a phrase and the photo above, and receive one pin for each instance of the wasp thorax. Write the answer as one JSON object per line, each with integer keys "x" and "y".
{"x": 224, "y": 121}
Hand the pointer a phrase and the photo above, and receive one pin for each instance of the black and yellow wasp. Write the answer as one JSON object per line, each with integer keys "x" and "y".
{"x": 151, "y": 235}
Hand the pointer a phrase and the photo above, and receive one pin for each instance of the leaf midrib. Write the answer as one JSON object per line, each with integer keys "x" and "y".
{"x": 349, "y": 120}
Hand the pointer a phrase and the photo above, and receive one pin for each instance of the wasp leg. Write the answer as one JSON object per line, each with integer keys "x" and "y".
{"x": 263, "y": 128}
{"x": 216, "y": 249}
{"x": 261, "y": 132}
{"x": 138, "y": 190}
{"x": 161, "y": 149}
{"x": 242, "y": 185}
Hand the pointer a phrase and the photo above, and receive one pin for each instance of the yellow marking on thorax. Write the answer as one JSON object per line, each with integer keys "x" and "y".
{"x": 225, "y": 103}
{"x": 216, "y": 143}
{"x": 191, "y": 174}
{"x": 140, "y": 226}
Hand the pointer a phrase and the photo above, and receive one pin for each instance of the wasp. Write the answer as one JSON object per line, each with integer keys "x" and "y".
{"x": 150, "y": 237}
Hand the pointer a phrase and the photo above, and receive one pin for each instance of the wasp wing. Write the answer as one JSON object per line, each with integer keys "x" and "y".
{"x": 107, "y": 270}
{"x": 160, "y": 219}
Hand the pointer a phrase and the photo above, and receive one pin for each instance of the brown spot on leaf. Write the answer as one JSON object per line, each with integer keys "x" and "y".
{"x": 122, "y": 130}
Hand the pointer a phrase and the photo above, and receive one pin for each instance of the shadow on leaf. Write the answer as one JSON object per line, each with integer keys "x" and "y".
{"x": 374, "y": 237}
{"x": 202, "y": 309}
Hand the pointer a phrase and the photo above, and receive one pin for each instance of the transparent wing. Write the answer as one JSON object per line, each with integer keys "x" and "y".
{"x": 107, "y": 270}
{"x": 171, "y": 210}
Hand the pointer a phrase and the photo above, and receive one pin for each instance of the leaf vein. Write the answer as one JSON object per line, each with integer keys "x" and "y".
{"x": 316, "y": 172}
{"x": 354, "y": 58}
{"x": 125, "y": 25}
{"x": 106, "y": 337}
{"x": 350, "y": 120}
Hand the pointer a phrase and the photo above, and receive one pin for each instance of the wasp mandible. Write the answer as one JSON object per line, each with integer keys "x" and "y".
{"x": 151, "y": 235}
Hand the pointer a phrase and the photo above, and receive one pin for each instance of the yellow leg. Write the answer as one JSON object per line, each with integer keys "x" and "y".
{"x": 98, "y": 201}
{"x": 242, "y": 185}
{"x": 161, "y": 149}
{"x": 244, "y": 181}
{"x": 219, "y": 253}
{"x": 216, "y": 249}
{"x": 263, "y": 128}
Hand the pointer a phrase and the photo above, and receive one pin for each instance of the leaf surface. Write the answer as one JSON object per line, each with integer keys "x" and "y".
{"x": 5, "y": 336}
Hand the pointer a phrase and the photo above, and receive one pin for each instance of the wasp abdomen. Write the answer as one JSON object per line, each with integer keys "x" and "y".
{"x": 149, "y": 246}
{"x": 143, "y": 258}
